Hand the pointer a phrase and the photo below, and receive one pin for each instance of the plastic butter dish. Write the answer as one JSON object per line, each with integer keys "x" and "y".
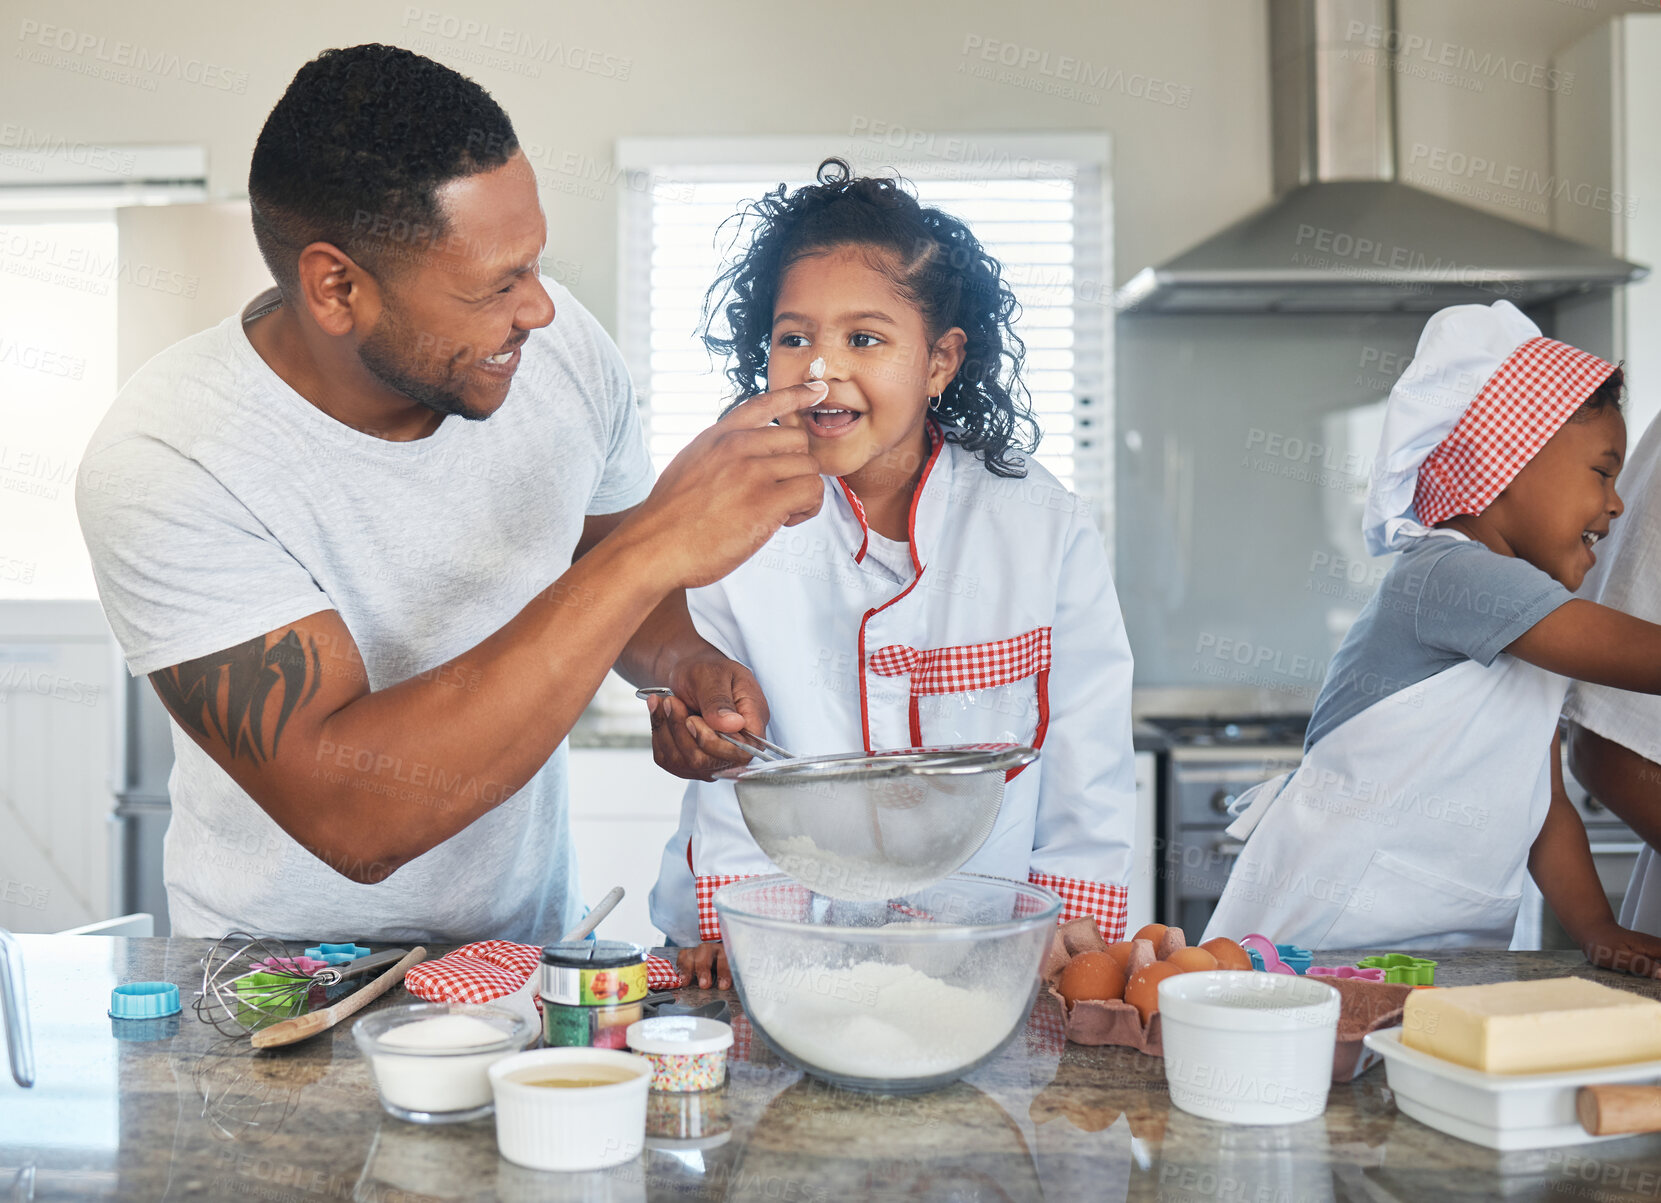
{"x": 1497, "y": 1111}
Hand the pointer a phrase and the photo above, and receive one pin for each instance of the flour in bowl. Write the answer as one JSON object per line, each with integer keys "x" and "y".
{"x": 881, "y": 1021}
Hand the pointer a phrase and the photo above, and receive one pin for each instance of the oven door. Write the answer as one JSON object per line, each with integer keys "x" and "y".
{"x": 1196, "y": 855}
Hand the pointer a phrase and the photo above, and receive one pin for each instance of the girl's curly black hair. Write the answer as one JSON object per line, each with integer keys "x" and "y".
{"x": 933, "y": 260}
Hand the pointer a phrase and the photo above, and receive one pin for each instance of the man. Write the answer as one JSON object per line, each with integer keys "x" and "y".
{"x": 1614, "y": 737}
{"x": 377, "y": 539}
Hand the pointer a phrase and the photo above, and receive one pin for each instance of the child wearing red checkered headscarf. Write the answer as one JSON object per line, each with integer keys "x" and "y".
{"x": 1431, "y": 788}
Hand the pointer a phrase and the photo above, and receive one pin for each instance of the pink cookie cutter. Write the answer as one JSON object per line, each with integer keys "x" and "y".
{"x": 1347, "y": 971}
{"x": 1265, "y": 948}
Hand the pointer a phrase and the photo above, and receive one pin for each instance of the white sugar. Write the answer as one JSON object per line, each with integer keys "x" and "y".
{"x": 443, "y": 1031}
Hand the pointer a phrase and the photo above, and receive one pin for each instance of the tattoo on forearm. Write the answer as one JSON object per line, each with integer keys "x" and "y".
{"x": 251, "y": 672}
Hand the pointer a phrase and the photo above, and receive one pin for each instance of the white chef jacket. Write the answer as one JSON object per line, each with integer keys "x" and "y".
{"x": 1008, "y": 630}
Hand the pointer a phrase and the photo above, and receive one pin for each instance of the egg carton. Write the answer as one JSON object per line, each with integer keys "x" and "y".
{"x": 1365, "y": 1006}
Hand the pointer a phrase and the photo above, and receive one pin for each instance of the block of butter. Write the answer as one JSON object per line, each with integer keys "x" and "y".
{"x": 1558, "y": 1023}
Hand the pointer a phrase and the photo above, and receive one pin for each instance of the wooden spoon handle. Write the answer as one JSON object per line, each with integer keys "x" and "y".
{"x": 303, "y": 1027}
{"x": 1609, "y": 1110}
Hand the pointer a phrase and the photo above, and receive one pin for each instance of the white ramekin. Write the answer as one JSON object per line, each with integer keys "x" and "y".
{"x": 1248, "y": 1048}
{"x": 589, "y": 1128}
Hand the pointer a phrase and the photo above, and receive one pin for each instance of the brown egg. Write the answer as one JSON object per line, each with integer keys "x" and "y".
{"x": 1143, "y": 991}
{"x": 1121, "y": 952}
{"x": 1229, "y": 954}
{"x": 1154, "y": 932}
{"x": 1091, "y": 975}
{"x": 1192, "y": 960}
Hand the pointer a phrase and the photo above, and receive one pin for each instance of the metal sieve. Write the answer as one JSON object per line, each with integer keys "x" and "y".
{"x": 866, "y": 827}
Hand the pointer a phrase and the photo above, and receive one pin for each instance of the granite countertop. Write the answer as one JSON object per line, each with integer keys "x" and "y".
{"x": 193, "y": 1115}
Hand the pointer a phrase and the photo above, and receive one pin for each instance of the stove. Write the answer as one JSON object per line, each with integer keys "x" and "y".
{"x": 1210, "y": 761}
{"x": 1245, "y": 731}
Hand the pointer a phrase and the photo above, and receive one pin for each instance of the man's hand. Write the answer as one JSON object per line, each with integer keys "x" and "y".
{"x": 1624, "y": 951}
{"x": 711, "y": 694}
{"x": 734, "y": 485}
{"x": 701, "y": 964}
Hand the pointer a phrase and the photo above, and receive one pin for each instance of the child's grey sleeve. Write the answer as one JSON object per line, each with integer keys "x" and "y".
{"x": 1475, "y": 602}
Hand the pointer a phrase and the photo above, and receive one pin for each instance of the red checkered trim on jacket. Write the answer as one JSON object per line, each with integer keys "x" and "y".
{"x": 489, "y": 969}
{"x": 709, "y": 926}
{"x": 972, "y": 666}
{"x": 1524, "y": 403}
{"x": 1108, "y": 905}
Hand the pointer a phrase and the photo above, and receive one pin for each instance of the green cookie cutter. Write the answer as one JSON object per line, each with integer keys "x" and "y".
{"x": 1401, "y": 969}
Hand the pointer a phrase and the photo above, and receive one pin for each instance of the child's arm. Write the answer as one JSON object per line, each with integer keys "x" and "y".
{"x": 1086, "y": 821}
{"x": 1627, "y": 783}
{"x": 1589, "y": 642}
{"x": 1561, "y": 864}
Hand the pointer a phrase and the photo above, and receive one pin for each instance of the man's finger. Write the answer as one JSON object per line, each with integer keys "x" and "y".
{"x": 761, "y": 410}
{"x": 713, "y": 746}
{"x": 719, "y": 709}
{"x": 751, "y": 702}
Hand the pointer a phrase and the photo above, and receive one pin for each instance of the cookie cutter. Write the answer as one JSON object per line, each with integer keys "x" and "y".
{"x": 1401, "y": 969}
{"x": 1270, "y": 957}
{"x": 337, "y": 954}
{"x": 1349, "y": 972}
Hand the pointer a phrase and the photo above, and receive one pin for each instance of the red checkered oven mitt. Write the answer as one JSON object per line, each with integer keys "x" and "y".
{"x": 478, "y": 973}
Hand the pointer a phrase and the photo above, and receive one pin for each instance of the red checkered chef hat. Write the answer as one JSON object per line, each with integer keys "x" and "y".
{"x": 1483, "y": 394}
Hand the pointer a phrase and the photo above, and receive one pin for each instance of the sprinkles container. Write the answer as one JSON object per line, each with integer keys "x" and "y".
{"x": 687, "y": 1052}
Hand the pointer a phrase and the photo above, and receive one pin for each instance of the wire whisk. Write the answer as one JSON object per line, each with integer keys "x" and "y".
{"x": 251, "y": 982}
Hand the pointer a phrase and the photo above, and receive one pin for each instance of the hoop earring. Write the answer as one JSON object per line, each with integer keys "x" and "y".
{"x": 934, "y": 403}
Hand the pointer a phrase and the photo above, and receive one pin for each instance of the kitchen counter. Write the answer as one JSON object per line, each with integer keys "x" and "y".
{"x": 194, "y": 1116}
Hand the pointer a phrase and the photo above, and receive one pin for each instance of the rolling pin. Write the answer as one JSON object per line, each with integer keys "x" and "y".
{"x": 1615, "y": 1110}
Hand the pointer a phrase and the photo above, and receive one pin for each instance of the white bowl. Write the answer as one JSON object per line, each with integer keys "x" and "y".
{"x": 1498, "y": 1111}
{"x": 436, "y": 1085}
{"x": 1248, "y": 1048}
{"x": 585, "y": 1128}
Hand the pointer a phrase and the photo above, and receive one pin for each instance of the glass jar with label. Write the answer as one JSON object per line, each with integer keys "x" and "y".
{"x": 591, "y": 992}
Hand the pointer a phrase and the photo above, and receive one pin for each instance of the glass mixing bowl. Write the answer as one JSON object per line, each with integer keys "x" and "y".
{"x": 898, "y": 996}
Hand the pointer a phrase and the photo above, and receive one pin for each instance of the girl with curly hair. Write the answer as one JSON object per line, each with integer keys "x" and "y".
{"x": 948, "y": 591}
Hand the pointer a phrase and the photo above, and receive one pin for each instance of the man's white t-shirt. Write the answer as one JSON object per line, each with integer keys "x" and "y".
{"x": 218, "y": 504}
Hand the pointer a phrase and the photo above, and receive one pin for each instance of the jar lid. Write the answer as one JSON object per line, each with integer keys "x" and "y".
{"x": 144, "y": 1000}
{"x": 678, "y": 1035}
{"x": 593, "y": 954}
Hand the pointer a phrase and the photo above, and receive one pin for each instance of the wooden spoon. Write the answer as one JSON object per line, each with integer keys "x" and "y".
{"x": 304, "y": 1027}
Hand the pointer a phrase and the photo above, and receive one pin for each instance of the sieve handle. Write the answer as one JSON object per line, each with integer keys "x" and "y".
{"x": 754, "y": 744}
{"x": 758, "y": 747}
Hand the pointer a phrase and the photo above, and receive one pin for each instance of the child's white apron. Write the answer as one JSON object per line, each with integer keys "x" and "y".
{"x": 1409, "y": 825}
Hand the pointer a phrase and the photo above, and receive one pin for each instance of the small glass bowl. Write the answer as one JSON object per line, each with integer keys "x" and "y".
{"x": 437, "y": 1085}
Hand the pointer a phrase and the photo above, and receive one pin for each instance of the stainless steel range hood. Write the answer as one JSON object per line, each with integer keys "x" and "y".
{"x": 1342, "y": 234}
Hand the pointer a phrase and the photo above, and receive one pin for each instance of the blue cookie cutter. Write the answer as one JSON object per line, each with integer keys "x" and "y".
{"x": 337, "y": 954}
{"x": 1296, "y": 959}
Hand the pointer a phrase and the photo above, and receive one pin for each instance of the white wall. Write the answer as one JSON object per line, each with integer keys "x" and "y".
{"x": 1184, "y": 169}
